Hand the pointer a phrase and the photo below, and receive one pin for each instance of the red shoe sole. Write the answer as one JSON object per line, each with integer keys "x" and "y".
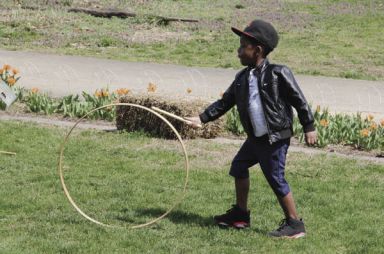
{"x": 299, "y": 235}
{"x": 237, "y": 224}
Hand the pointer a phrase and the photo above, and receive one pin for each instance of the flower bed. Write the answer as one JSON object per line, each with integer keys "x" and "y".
{"x": 352, "y": 130}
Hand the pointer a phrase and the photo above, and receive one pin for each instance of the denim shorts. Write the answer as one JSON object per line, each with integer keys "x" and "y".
{"x": 270, "y": 157}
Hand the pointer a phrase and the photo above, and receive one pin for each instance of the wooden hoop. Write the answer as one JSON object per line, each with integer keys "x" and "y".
{"x": 8, "y": 153}
{"x": 182, "y": 119}
{"x": 66, "y": 192}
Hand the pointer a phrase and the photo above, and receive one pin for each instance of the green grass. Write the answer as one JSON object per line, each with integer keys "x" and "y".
{"x": 332, "y": 38}
{"x": 128, "y": 178}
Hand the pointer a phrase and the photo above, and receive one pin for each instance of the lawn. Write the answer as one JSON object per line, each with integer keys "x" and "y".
{"x": 328, "y": 37}
{"x": 128, "y": 178}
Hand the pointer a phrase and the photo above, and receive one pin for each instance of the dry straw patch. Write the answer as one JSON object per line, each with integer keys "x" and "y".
{"x": 134, "y": 119}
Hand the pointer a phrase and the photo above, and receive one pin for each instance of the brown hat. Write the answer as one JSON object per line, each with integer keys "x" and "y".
{"x": 261, "y": 31}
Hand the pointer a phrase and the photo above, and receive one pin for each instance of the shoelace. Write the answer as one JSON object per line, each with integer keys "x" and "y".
{"x": 282, "y": 224}
{"x": 231, "y": 209}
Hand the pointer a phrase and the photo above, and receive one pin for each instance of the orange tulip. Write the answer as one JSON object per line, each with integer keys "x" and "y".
{"x": 104, "y": 93}
{"x": 151, "y": 87}
{"x": 34, "y": 90}
{"x": 6, "y": 67}
{"x": 373, "y": 126}
{"x": 382, "y": 122}
{"x": 364, "y": 132}
{"x": 324, "y": 122}
{"x": 370, "y": 117}
{"x": 15, "y": 71}
{"x": 11, "y": 81}
{"x": 98, "y": 94}
{"x": 122, "y": 91}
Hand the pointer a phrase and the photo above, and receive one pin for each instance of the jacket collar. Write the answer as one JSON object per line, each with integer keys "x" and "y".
{"x": 261, "y": 68}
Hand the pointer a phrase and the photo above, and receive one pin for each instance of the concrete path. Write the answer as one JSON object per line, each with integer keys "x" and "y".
{"x": 62, "y": 75}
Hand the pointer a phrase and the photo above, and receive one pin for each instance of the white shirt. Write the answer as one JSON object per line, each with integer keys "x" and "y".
{"x": 255, "y": 110}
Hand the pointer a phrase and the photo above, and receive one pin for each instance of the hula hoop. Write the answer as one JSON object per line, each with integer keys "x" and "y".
{"x": 77, "y": 208}
{"x": 8, "y": 153}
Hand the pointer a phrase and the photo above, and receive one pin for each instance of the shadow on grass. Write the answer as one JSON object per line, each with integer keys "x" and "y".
{"x": 181, "y": 217}
{"x": 178, "y": 217}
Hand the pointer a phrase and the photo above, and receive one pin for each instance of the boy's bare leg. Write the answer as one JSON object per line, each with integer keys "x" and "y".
{"x": 288, "y": 205}
{"x": 242, "y": 189}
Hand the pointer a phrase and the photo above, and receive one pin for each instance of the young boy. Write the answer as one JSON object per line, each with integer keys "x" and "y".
{"x": 264, "y": 94}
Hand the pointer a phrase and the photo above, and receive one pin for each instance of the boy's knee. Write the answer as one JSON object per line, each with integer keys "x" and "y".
{"x": 238, "y": 172}
{"x": 282, "y": 190}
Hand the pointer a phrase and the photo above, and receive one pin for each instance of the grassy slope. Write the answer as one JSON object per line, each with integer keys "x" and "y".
{"x": 129, "y": 178}
{"x": 334, "y": 38}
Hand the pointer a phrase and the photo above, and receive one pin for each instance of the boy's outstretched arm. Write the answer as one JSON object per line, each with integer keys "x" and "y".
{"x": 297, "y": 100}
{"x": 310, "y": 137}
{"x": 195, "y": 121}
{"x": 216, "y": 109}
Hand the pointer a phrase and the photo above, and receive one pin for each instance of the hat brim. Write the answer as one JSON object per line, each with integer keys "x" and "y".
{"x": 240, "y": 33}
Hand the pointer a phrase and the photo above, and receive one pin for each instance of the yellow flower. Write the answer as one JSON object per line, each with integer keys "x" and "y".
{"x": 382, "y": 122}
{"x": 104, "y": 93}
{"x": 11, "y": 81}
{"x": 324, "y": 122}
{"x": 189, "y": 90}
{"x": 373, "y": 126}
{"x": 122, "y": 91}
{"x": 364, "y": 132}
{"x": 6, "y": 67}
{"x": 370, "y": 117}
{"x": 34, "y": 90}
{"x": 98, "y": 94}
{"x": 318, "y": 108}
{"x": 101, "y": 93}
{"x": 151, "y": 87}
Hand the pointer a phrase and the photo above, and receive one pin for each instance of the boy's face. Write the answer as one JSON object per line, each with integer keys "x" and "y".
{"x": 248, "y": 53}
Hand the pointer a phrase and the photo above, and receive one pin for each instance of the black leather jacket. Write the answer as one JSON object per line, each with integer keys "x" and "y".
{"x": 279, "y": 91}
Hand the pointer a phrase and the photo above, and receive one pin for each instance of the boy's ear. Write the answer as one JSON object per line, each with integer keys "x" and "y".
{"x": 260, "y": 50}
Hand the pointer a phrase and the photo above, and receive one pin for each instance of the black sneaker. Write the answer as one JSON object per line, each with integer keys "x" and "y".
{"x": 289, "y": 228}
{"x": 234, "y": 217}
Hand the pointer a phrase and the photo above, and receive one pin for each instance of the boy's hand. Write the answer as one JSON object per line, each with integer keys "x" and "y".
{"x": 195, "y": 121}
{"x": 311, "y": 138}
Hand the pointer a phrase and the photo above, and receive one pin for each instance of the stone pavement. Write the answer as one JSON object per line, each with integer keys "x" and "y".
{"x": 63, "y": 75}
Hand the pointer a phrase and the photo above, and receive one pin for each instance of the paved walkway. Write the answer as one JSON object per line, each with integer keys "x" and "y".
{"x": 62, "y": 75}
